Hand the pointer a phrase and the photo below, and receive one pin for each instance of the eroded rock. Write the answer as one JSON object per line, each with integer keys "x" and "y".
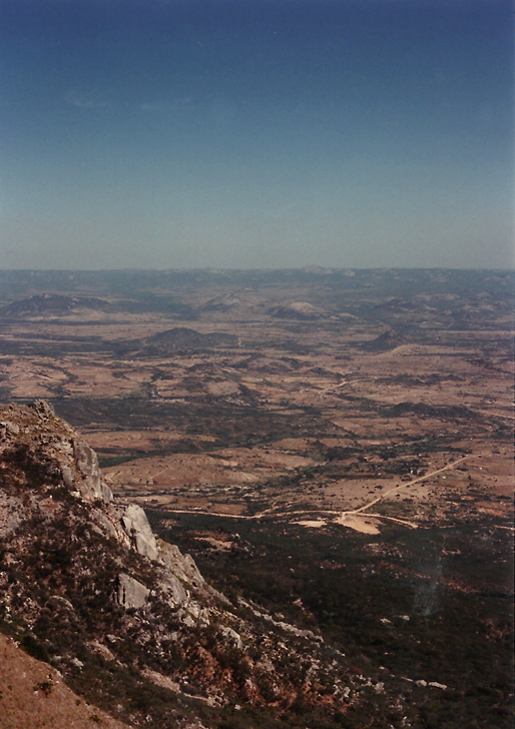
{"x": 91, "y": 486}
{"x": 131, "y": 593}
{"x": 180, "y": 564}
{"x": 174, "y": 590}
{"x": 43, "y": 409}
{"x": 8, "y": 429}
{"x": 136, "y": 525}
{"x": 59, "y": 521}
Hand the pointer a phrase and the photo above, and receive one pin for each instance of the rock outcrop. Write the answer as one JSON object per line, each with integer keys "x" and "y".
{"x": 35, "y": 439}
{"x": 89, "y": 483}
{"x": 136, "y": 525}
{"x": 131, "y": 593}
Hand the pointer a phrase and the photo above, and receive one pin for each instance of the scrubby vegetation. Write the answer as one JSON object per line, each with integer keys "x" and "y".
{"x": 431, "y": 605}
{"x": 279, "y": 396}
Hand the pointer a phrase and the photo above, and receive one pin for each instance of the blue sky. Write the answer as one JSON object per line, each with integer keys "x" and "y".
{"x": 256, "y": 133}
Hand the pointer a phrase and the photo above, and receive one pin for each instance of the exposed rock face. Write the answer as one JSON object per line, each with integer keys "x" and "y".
{"x": 182, "y": 565}
{"x": 36, "y": 427}
{"x": 8, "y": 429}
{"x": 131, "y": 593}
{"x": 36, "y": 438}
{"x": 136, "y": 525}
{"x": 43, "y": 409}
{"x": 174, "y": 590}
{"x": 90, "y": 484}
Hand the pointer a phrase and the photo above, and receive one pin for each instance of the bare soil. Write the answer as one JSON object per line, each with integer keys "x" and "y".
{"x": 33, "y": 695}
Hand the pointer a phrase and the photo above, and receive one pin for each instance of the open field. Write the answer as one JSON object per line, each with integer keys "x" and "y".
{"x": 335, "y": 445}
{"x": 244, "y": 393}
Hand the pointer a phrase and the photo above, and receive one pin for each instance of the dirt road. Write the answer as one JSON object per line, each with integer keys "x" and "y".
{"x": 403, "y": 486}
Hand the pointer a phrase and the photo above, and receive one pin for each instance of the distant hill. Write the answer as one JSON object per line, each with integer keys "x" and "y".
{"x": 297, "y": 310}
{"x": 184, "y": 338}
{"x": 221, "y": 303}
{"x": 384, "y": 342}
{"x": 52, "y": 304}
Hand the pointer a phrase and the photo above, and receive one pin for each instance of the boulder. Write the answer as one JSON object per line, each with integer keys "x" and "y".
{"x": 174, "y": 590}
{"x": 91, "y": 486}
{"x": 131, "y": 593}
{"x": 136, "y": 525}
{"x": 43, "y": 409}
{"x": 68, "y": 476}
{"x": 182, "y": 565}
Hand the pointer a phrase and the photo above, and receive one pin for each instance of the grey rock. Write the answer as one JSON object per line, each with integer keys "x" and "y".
{"x": 435, "y": 684}
{"x": 92, "y": 485}
{"x": 136, "y": 525}
{"x": 43, "y": 409}
{"x": 174, "y": 590}
{"x": 232, "y": 636}
{"x": 182, "y": 565}
{"x": 297, "y": 631}
{"x": 131, "y": 593}
{"x": 106, "y": 525}
{"x": 8, "y": 429}
{"x": 68, "y": 476}
{"x": 107, "y": 494}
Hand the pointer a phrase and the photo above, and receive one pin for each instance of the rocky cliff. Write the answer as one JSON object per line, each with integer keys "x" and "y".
{"x": 126, "y": 618}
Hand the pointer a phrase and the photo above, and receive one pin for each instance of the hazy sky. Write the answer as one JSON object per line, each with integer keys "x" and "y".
{"x": 256, "y": 133}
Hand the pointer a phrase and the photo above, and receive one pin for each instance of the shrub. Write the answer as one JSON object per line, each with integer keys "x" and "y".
{"x": 34, "y": 648}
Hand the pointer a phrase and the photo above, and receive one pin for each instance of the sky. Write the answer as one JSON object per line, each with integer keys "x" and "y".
{"x": 173, "y": 134}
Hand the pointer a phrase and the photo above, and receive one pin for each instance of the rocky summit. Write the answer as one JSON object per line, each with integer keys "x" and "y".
{"x": 125, "y": 617}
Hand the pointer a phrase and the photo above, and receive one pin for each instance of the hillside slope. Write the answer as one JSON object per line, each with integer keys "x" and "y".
{"x": 127, "y": 619}
{"x": 33, "y": 695}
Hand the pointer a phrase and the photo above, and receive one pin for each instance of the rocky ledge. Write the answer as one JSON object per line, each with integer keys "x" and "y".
{"x": 40, "y": 450}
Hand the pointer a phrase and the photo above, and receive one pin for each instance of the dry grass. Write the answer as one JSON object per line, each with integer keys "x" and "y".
{"x": 33, "y": 696}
